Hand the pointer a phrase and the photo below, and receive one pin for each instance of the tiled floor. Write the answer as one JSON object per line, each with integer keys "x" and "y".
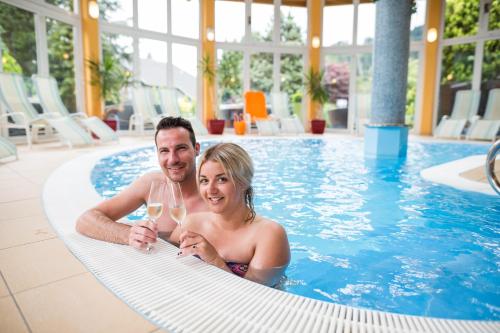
{"x": 43, "y": 287}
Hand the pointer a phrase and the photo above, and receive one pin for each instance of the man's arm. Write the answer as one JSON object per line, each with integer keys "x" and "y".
{"x": 100, "y": 222}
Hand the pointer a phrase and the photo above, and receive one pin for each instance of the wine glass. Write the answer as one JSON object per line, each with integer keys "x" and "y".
{"x": 176, "y": 207}
{"x": 155, "y": 203}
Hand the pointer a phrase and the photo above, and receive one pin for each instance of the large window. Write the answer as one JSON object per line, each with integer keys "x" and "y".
{"x": 153, "y": 15}
{"x": 337, "y": 78}
{"x": 467, "y": 35}
{"x": 17, "y": 44}
{"x": 261, "y": 46}
{"x": 262, "y": 22}
{"x": 162, "y": 49}
{"x": 338, "y": 25}
{"x": 229, "y": 21}
{"x": 61, "y": 60}
{"x": 366, "y": 23}
{"x": 293, "y": 25}
{"x": 182, "y": 9}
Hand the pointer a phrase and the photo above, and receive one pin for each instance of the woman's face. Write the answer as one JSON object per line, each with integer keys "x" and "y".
{"x": 217, "y": 189}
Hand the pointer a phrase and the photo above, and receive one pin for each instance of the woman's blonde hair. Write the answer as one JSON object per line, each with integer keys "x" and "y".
{"x": 238, "y": 166}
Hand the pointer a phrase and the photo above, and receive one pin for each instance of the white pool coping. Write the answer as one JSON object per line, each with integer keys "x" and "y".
{"x": 187, "y": 295}
{"x": 449, "y": 174}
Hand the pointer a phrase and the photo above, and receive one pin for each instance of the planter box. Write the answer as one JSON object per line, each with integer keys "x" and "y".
{"x": 216, "y": 126}
{"x": 318, "y": 126}
{"x": 112, "y": 123}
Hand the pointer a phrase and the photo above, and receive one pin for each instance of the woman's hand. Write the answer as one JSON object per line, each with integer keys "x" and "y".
{"x": 142, "y": 233}
{"x": 192, "y": 243}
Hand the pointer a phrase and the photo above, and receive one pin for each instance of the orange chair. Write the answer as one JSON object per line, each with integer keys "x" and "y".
{"x": 255, "y": 105}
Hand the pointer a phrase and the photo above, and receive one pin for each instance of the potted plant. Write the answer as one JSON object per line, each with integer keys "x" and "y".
{"x": 319, "y": 95}
{"x": 215, "y": 126}
{"x": 111, "y": 77}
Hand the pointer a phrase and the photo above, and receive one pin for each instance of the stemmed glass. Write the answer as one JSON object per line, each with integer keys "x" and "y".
{"x": 176, "y": 207}
{"x": 155, "y": 203}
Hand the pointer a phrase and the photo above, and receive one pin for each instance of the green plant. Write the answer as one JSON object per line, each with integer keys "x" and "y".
{"x": 315, "y": 87}
{"x": 110, "y": 76}
{"x": 207, "y": 68}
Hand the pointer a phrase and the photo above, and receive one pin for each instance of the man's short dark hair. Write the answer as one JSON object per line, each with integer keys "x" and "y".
{"x": 173, "y": 122}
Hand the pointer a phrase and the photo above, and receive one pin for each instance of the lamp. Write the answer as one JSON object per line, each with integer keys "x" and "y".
{"x": 93, "y": 9}
{"x": 210, "y": 34}
{"x": 432, "y": 35}
{"x": 315, "y": 42}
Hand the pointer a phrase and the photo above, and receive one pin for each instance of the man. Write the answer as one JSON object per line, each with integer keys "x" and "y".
{"x": 177, "y": 149}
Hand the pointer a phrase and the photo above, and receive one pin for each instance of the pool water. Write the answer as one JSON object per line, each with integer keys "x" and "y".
{"x": 363, "y": 232}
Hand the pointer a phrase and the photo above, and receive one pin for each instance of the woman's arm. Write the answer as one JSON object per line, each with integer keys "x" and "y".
{"x": 272, "y": 254}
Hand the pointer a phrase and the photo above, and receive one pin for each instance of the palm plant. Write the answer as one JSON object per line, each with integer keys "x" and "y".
{"x": 315, "y": 87}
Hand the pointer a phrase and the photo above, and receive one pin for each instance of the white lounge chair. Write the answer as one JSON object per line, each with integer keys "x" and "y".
{"x": 19, "y": 109}
{"x": 70, "y": 132}
{"x": 363, "y": 105}
{"x": 48, "y": 94}
{"x": 486, "y": 128}
{"x": 290, "y": 124}
{"x": 7, "y": 149}
{"x": 464, "y": 107}
{"x": 144, "y": 110}
{"x": 170, "y": 108}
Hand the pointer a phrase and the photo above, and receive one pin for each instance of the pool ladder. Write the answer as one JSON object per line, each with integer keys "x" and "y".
{"x": 490, "y": 166}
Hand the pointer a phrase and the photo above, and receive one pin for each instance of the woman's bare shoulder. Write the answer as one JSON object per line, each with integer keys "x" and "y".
{"x": 268, "y": 225}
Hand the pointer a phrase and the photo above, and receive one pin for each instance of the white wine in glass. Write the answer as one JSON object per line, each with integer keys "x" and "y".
{"x": 155, "y": 203}
{"x": 176, "y": 207}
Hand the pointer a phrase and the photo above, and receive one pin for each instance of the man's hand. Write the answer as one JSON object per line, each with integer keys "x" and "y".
{"x": 142, "y": 233}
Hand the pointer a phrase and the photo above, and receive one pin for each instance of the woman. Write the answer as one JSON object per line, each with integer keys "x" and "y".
{"x": 231, "y": 235}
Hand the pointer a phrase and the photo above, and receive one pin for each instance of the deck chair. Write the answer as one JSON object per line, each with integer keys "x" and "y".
{"x": 7, "y": 149}
{"x": 170, "y": 107}
{"x": 51, "y": 102}
{"x": 255, "y": 106}
{"x": 144, "y": 109}
{"x": 18, "y": 108}
{"x": 70, "y": 132}
{"x": 289, "y": 124}
{"x": 363, "y": 105}
{"x": 466, "y": 103}
{"x": 486, "y": 128}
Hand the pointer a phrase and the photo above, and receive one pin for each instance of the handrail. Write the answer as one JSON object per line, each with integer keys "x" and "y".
{"x": 490, "y": 166}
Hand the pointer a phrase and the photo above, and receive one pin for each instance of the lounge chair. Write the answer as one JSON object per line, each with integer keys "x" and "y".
{"x": 19, "y": 109}
{"x": 145, "y": 114}
{"x": 255, "y": 106}
{"x": 7, "y": 149}
{"x": 290, "y": 124}
{"x": 466, "y": 103}
{"x": 70, "y": 132}
{"x": 363, "y": 105}
{"x": 170, "y": 107}
{"x": 51, "y": 102}
{"x": 486, "y": 128}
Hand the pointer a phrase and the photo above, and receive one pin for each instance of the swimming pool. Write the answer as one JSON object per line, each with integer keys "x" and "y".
{"x": 366, "y": 233}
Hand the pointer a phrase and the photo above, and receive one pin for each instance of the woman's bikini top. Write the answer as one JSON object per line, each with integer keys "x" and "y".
{"x": 237, "y": 268}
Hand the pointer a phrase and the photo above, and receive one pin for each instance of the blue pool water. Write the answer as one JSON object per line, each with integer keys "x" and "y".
{"x": 366, "y": 233}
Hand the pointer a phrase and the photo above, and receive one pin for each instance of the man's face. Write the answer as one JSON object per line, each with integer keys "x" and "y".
{"x": 176, "y": 153}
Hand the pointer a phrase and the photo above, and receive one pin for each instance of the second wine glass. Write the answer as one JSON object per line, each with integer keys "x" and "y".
{"x": 176, "y": 207}
{"x": 155, "y": 203}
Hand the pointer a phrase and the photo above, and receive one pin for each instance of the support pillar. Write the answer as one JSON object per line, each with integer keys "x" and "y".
{"x": 315, "y": 19}
{"x": 386, "y": 135}
{"x": 430, "y": 63}
{"x": 208, "y": 49}
{"x": 91, "y": 51}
